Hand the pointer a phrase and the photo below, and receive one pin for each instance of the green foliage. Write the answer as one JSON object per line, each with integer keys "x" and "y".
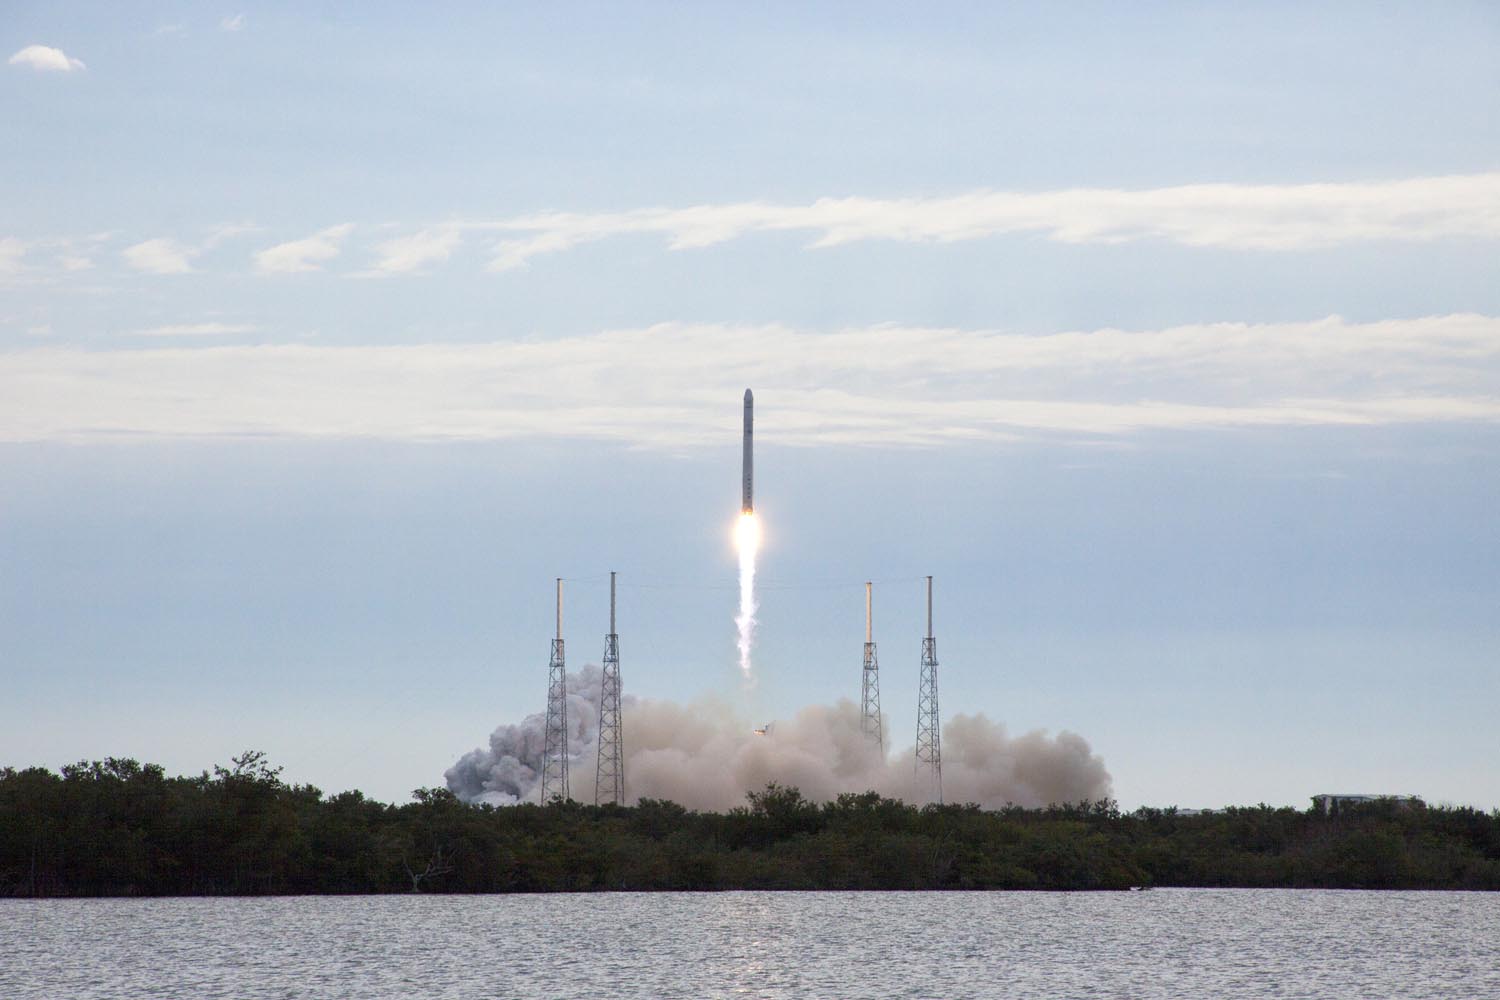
{"x": 119, "y": 827}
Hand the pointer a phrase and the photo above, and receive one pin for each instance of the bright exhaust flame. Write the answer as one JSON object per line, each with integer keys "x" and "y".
{"x": 747, "y": 538}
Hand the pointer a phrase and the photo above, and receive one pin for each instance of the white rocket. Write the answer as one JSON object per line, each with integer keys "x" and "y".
{"x": 747, "y": 501}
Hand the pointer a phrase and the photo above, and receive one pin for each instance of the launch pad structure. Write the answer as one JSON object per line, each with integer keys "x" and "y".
{"x": 609, "y": 774}
{"x": 555, "y": 744}
{"x": 929, "y": 737}
{"x": 869, "y": 700}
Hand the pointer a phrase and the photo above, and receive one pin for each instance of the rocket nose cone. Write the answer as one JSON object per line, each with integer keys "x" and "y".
{"x": 749, "y": 397}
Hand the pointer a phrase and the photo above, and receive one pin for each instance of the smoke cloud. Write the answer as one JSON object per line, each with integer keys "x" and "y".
{"x": 705, "y": 756}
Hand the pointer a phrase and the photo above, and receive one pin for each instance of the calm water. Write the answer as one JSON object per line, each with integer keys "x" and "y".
{"x": 1164, "y": 943}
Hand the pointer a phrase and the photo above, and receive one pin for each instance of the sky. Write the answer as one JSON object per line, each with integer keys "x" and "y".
{"x": 1165, "y": 337}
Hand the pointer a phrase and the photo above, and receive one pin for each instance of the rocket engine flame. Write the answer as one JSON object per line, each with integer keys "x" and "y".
{"x": 747, "y": 538}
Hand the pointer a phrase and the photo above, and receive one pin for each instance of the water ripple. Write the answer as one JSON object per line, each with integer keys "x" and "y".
{"x": 1166, "y": 943}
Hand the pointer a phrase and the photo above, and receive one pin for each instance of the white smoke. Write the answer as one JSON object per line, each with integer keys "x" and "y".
{"x": 704, "y": 756}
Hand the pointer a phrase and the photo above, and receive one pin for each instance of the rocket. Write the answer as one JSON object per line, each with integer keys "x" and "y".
{"x": 747, "y": 500}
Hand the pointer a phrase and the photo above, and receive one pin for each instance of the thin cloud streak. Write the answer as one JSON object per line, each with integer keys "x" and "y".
{"x": 164, "y": 255}
{"x": 412, "y": 254}
{"x": 160, "y": 256}
{"x": 309, "y": 254}
{"x": 1264, "y": 217}
{"x": 62, "y": 254}
{"x": 12, "y": 251}
{"x": 665, "y": 386}
{"x": 195, "y": 330}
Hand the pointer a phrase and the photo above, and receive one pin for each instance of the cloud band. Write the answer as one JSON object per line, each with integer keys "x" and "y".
{"x": 665, "y": 386}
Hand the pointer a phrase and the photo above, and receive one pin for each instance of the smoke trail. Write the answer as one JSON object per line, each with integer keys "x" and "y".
{"x": 705, "y": 756}
{"x": 747, "y": 537}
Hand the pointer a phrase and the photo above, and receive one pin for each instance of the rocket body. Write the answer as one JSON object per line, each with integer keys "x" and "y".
{"x": 747, "y": 497}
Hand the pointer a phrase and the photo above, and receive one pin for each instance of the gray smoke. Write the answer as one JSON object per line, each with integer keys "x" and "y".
{"x": 705, "y": 756}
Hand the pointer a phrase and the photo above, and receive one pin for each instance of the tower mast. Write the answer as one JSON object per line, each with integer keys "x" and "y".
{"x": 609, "y": 776}
{"x": 929, "y": 737}
{"x": 555, "y": 746}
{"x": 869, "y": 718}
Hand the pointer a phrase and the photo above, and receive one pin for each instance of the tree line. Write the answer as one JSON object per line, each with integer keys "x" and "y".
{"x": 121, "y": 828}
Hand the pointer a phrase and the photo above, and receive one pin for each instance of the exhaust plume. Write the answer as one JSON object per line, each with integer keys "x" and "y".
{"x": 747, "y": 537}
{"x": 704, "y": 756}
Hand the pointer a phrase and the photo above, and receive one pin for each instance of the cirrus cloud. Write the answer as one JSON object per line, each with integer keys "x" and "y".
{"x": 411, "y": 254}
{"x": 1257, "y": 217}
{"x": 160, "y": 256}
{"x": 307, "y": 254}
{"x": 1266, "y": 218}
{"x": 665, "y": 386}
{"x": 12, "y": 251}
{"x": 164, "y": 255}
{"x": 209, "y": 329}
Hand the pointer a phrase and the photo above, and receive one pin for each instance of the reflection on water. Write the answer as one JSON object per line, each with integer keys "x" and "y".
{"x": 1164, "y": 943}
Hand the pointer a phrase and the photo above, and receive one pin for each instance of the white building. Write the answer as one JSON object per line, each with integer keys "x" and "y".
{"x": 1329, "y": 802}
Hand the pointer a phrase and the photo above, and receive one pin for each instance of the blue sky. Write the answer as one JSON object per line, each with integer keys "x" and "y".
{"x": 1167, "y": 339}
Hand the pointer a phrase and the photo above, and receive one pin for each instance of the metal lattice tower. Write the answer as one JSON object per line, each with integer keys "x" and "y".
{"x": 609, "y": 777}
{"x": 929, "y": 737}
{"x": 869, "y": 718}
{"x": 555, "y": 747}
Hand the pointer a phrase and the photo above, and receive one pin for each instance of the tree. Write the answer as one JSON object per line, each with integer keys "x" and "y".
{"x": 438, "y": 863}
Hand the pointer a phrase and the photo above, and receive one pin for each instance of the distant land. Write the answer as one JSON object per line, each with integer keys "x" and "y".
{"x": 121, "y": 828}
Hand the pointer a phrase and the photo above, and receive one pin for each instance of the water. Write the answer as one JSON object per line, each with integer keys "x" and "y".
{"x": 1164, "y": 943}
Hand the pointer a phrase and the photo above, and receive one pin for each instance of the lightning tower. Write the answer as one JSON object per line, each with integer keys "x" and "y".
{"x": 929, "y": 738}
{"x": 609, "y": 777}
{"x": 869, "y": 719}
{"x": 555, "y": 746}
